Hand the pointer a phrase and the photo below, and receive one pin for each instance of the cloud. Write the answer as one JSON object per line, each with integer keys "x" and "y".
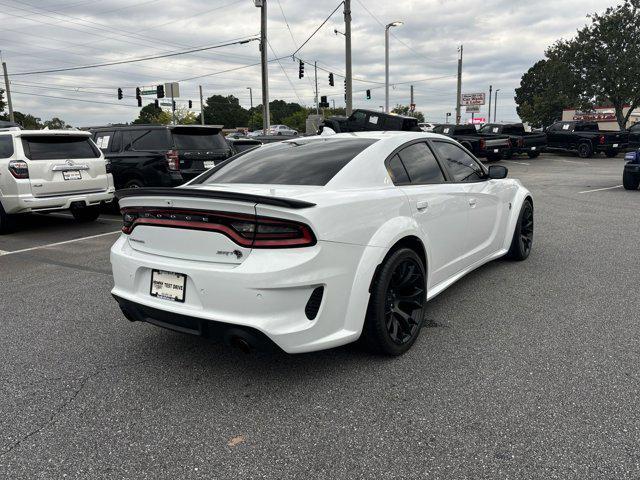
{"x": 501, "y": 38}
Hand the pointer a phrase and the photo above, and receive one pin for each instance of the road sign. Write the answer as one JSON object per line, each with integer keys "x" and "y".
{"x": 472, "y": 99}
{"x": 148, "y": 92}
{"x": 478, "y": 120}
{"x": 412, "y": 107}
{"x": 172, "y": 90}
{"x": 473, "y": 108}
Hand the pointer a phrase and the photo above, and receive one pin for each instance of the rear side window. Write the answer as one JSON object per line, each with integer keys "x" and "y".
{"x": 198, "y": 139}
{"x": 102, "y": 140}
{"x": 291, "y": 163}
{"x": 462, "y": 166}
{"x": 6, "y": 146}
{"x": 58, "y": 147}
{"x": 396, "y": 171}
{"x": 421, "y": 165}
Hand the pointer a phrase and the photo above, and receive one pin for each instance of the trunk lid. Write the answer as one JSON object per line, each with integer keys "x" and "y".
{"x": 63, "y": 163}
{"x": 199, "y": 148}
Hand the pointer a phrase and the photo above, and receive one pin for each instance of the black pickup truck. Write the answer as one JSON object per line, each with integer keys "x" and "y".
{"x": 586, "y": 138}
{"x": 370, "y": 120}
{"x": 482, "y": 145}
{"x": 160, "y": 155}
{"x": 531, "y": 143}
{"x": 634, "y": 136}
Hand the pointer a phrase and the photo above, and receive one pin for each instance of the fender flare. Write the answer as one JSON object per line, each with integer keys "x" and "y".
{"x": 388, "y": 235}
{"x": 521, "y": 195}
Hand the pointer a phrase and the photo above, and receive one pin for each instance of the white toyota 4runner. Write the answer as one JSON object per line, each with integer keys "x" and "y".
{"x": 48, "y": 170}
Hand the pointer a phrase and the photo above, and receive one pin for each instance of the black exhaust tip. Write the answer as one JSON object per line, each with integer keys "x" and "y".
{"x": 241, "y": 344}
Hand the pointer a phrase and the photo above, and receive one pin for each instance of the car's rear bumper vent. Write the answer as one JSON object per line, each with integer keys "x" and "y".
{"x": 313, "y": 304}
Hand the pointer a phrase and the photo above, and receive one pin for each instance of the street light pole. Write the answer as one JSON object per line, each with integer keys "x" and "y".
{"x": 201, "y": 106}
{"x": 459, "y": 89}
{"x": 262, "y": 4}
{"x": 490, "y": 95}
{"x": 386, "y": 63}
{"x": 495, "y": 106}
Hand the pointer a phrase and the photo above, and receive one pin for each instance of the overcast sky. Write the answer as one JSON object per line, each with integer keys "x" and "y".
{"x": 501, "y": 38}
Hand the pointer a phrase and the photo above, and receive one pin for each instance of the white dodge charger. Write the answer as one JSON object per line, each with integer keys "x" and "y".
{"x": 316, "y": 242}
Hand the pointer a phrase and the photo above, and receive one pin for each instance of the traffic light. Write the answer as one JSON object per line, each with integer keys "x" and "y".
{"x": 301, "y": 70}
{"x": 368, "y": 94}
{"x": 174, "y": 104}
{"x": 119, "y": 94}
{"x": 157, "y": 103}
{"x": 139, "y": 101}
{"x": 345, "y": 89}
{"x": 138, "y": 92}
{"x": 190, "y": 104}
{"x": 331, "y": 80}
{"x": 160, "y": 91}
{"x": 323, "y": 102}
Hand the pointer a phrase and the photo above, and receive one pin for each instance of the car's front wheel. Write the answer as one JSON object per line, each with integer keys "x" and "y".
{"x": 585, "y": 150}
{"x": 85, "y": 214}
{"x": 522, "y": 239}
{"x": 630, "y": 181}
{"x": 396, "y": 307}
{"x": 533, "y": 154}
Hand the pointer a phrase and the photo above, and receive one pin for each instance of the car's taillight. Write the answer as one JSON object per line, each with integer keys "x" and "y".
{"x": 245, "y": 230}
{"x": 482, "y": 144}
{"x": 601, "y": 139}
{"x": 19, "y": 169}
{"x": 521, "y": 142}
{"x": 173, "y": 160}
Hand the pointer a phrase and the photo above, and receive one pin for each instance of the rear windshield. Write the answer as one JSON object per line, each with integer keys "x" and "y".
{"x": 291, "y": 163}
{"x": 50, "y": 147}
{"x": 198, "y": 139}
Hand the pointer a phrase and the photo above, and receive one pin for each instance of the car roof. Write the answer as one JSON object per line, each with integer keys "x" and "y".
{"x": 151, "y": 127}
{"x": 74, "y": 133}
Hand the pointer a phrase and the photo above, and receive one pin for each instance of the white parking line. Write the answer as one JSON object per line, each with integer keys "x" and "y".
{"x": 572, "y": 161}
{"x": 601, "y": 189}
{"x": 2, "y": 252}
{"x": 520, "y": 163}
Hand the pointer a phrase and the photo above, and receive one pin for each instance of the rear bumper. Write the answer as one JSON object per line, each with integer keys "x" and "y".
{"x": 232, "y": 335}
{"x": 529, "y": 149}
{"x": 267, "y": 293}
{"x": 26, "y": 203}
{"x": 606, "y": 148}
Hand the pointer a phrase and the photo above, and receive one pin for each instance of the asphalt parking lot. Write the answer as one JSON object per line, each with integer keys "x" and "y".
{"x": 526, "y": 370}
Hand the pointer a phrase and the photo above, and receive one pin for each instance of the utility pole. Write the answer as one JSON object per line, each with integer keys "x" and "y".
{"x": 265, "y": 66}
{"x": 315, "y": 65}
{"x": 458, "y": 114}
{"x": 411, "y": 99}
{"x": 8, "y": 90}
{"x": 201, "y": 106}
{"x": 490, "y": 92}
{"x": 334, "y": 103}
{"x": 173, "y": 105}
{"x": 495, "y": 107}
{"x": 250, "y": 96}
{"x": 347, "y": 43}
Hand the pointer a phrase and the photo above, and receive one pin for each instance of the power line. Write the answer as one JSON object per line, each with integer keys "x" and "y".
{"x": 133, "y": 60}
{"x": 317, "y": 29}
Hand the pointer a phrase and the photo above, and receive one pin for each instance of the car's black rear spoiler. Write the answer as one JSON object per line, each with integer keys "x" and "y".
{"x": 220, "y": 195}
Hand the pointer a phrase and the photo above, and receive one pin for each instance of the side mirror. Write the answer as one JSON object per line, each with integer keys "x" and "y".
{"x": 498, "y": 172}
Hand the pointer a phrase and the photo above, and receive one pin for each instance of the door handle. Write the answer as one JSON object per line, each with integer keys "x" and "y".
{"x": 472, "y": 202}
{"x": 422, "y": 205}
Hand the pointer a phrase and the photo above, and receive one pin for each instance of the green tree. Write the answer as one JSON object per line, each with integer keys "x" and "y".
{"x": 56, "y": 124}
{"x": 298, "y": 120}
{"x": 545, "y": 90}
{"x": 280, "y": 110}
{"x": 28, "y": 122}
{"x": 152, "y": 115}
{"x": 605, "y": 56}
{"x": 226, "y": 111}
{"x": 184, "y": 116}
{"x": 406, "y": 111}
{"x": 255, "y": 120}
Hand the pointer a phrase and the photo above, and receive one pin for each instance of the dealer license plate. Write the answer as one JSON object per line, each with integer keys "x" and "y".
{"x": 209, "y": 164}
{"x": 496, "y": 150}
{"x": 72, "y": 175}
{"x": 168, "y": 285}
{"x": 615, "y": 145}
{"x": 533, "y": 148}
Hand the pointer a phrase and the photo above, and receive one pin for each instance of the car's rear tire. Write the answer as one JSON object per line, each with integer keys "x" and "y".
{"x": 533, "y": 154}
{"x": 85, "y": 214}
{"x": 135, "y": 183}
{"x": 611, "y": 153}
{"x": 522, "y": 240}
{"x": 507, "y": 154}
{"x": 396, "y": 307}
{"x": 585, "y": 150}
{"x": 493, "y": 157}
{"x": 630, "y": 181}
{"x": 7, "y": 223}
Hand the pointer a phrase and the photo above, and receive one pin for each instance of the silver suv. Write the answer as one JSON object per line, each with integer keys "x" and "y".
{"x": 47, "y": 170}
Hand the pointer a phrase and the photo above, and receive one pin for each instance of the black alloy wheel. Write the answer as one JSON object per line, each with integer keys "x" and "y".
{"x": 405, "y": 297}
{"x": 522, "y": 240}
{"x": 585, "y": 150}
{"x": 397, "y": 304}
